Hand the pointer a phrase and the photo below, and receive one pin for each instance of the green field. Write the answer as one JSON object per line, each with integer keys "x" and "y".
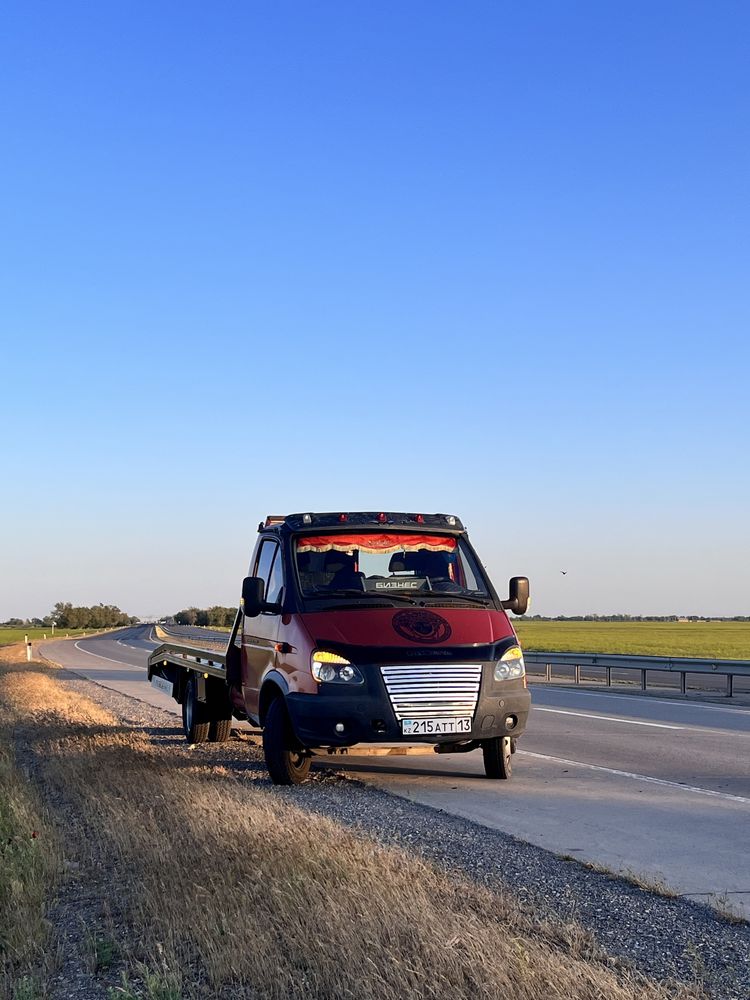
{"x": 10, "y": 635}
{"x": 723, "y": 640}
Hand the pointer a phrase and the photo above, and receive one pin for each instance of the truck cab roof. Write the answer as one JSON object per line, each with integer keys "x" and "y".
{"x": 288, "y": 523}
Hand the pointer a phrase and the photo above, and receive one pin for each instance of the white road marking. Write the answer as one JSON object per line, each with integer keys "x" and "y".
{"x": 655, "y": 699}
{"x": 640, "y": 777}
{"x": 605, "y": 718}
{"x": 123, "y": 663}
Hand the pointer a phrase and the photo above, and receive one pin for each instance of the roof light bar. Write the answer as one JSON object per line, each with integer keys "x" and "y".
{"x": 347, "y": 519}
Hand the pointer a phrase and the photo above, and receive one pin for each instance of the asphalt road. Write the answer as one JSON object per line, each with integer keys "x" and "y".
{"x": 652, "y": 787}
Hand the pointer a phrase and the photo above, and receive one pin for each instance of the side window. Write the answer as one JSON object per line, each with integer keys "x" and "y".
{"x": 472, "y": 580}
{"x": 276, "y": 580}
{"x": 265, "y": 559}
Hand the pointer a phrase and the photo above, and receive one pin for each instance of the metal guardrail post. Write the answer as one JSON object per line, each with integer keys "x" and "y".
{"x": 730, "y": 685}
{"x": 548, "y": 672}
{"x": 578, "y": 673}
{"x": 643, "y": 679}
{"x": 609, "y": 676}
{"x": 683, "y": 682}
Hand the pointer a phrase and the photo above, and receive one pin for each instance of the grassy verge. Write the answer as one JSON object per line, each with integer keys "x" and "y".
{"x": 9, "y": 636}
{"x": 723, "y": 640}
{"x": 29, "y": 863}
{"x": 220, "y": 888}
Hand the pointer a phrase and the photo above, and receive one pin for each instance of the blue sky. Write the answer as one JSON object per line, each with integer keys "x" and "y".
{"x": 483, "y": 258}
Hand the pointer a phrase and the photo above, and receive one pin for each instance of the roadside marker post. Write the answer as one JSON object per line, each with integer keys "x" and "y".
{"x": 28, "y": 650}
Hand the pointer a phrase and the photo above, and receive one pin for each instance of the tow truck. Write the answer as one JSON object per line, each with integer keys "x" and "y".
{"x": 366, "y": 630}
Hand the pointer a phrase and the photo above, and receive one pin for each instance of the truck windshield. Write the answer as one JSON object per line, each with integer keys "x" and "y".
{"x": 383, "y": 563}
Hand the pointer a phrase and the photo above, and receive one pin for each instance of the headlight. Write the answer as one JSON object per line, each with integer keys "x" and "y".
{"x": 510, "y": 665}
{"x": 330, "y": 667}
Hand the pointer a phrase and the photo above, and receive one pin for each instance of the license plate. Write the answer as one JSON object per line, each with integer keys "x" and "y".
{"x": 162, "y": 685}
{"x": 435, "y": 727}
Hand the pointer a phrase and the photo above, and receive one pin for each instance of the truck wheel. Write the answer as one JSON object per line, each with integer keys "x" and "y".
{"x": 220, "y": 713}
{"x": 497, "y": 757}
{"x": 287, "y": 762}
{"x": 195, "y": 718}
{"x": 220, "y": 730}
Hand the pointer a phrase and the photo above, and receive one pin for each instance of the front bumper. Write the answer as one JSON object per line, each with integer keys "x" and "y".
{"x": 366, "y": 713}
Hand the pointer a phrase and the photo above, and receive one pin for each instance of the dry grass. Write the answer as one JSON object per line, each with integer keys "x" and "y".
{"x": 29, "y": 862}
{"x": 651, "y": 883}
{"x": 228, "y": 889}
{"x": 12, "y": 654}
{"x": 727, "y": 908}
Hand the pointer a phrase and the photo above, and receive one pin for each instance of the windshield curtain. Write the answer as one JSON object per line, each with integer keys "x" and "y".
{"x": 377, "y": 563}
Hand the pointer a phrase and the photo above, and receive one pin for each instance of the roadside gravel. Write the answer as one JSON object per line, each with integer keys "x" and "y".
{"x": 660, "y": 936}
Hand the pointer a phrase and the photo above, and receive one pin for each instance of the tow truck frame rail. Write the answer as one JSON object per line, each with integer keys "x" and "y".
{"x": 202, "y": 661}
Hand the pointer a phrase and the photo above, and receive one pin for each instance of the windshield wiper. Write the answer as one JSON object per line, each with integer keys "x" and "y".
{"x": 449, "y": 595}
{"x": 367, "y": 595}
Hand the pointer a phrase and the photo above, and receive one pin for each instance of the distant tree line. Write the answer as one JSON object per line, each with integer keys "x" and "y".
{"x": 215, "y": 616}
{"x": 25, "y": 623}
{"x": 638, "y": 618}
{"x": 64, "y": 615}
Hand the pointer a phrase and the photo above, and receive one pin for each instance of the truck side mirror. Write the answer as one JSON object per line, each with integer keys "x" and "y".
{"x": 518, "y": 600}
{"x": 253, "y": 590}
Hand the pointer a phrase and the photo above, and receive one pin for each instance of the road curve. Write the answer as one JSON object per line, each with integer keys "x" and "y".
{"x": 658, "y": 788}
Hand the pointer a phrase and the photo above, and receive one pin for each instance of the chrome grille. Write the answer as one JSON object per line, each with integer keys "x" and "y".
{"x": 433, "y": 689}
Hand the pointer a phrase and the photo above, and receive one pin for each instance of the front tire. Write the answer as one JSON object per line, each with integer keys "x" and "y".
{"x": 286, "y": 760}
{"x": 195, "y": 718}
{"x": 497, "y": 754}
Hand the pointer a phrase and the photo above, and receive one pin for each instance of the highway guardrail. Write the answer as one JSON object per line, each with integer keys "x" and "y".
{"x": 617, "y": 661}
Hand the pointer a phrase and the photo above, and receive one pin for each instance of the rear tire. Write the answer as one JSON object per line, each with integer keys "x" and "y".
{"x": 286, "y": 760}
{"x": 220, "y": 730}
{"x": 195, "y": 718}
{"x": 497, "y": 757}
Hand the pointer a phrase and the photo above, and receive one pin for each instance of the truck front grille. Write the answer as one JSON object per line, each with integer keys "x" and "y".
{"x": 433, "y": 689}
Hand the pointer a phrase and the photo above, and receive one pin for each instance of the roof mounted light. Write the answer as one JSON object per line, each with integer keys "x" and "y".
{"x": 343, "y": 517}
{"x": 382, "y": 518}
{"x": 419, "y": 518}
{"x": 451, "y": 520}
{"x": 307, "y": 518}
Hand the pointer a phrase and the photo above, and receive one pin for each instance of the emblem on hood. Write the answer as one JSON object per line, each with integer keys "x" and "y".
{"x": 421, "y": 626}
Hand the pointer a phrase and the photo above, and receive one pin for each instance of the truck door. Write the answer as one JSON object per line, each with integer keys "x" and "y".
{"x": 260, "y": 634}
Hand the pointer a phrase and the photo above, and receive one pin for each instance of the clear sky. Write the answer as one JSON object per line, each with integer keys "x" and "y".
{"x": 484, "y": 258}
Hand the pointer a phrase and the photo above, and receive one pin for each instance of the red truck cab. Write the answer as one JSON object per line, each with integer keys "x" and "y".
{"x": 375, "y": 628}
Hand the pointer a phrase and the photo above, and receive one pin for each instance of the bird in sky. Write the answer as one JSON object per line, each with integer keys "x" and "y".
{"x": 564, "y": 572}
